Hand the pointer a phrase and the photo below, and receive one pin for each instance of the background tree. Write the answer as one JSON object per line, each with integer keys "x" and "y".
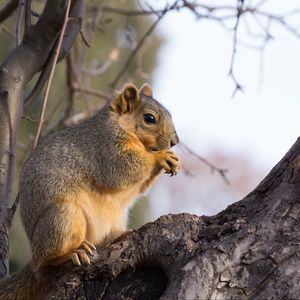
{"x": 239, "y": 252}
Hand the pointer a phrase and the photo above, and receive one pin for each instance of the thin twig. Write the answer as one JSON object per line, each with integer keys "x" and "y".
{"x": 57, "y": 50}
{"x": 233, "y": 55}
{"x": 35, "y": 14}
{"x": 92, "y": 93}
{"x": 84, "y": 39}
{"x": 19, "y": 22}
{"x": 69, "y": 38}
{"x": 186, "y": 171}
{"x": 92, "y": 25}
{"x": 28, "y": 118}
{"x": 6, "y": 30}
{"x": 54, "y": 111}
{"x": 97, "y": 70}
{"x": 79, "y": 87}
{"x": 134, "y": 13}
{"x": 213, "y": 168}
{"x": 136, "y": 49}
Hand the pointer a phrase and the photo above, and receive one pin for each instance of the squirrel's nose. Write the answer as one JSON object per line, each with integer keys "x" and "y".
{"x": 174, "y": 140}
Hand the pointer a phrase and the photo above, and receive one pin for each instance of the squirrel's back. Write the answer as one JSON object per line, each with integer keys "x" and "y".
{"x": 65, "y": 161}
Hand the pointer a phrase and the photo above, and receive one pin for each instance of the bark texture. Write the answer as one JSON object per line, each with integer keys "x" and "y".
{"x": 248, "y": 251}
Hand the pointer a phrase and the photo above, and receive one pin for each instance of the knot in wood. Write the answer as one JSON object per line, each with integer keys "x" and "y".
{"x": 296, "y": 163}
{"x": 296, "y": 170}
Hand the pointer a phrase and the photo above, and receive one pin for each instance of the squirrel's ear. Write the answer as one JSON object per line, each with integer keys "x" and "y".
{"x": 146, "y": 89}
{"x": 127, "y": 100}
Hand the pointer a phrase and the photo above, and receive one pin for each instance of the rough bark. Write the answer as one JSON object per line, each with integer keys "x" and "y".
{"x": 248, "y": 251}
{"x": 15, "y": 72}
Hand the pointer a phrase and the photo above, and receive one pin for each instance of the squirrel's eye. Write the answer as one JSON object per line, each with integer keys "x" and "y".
{"x": 149, "y": 118}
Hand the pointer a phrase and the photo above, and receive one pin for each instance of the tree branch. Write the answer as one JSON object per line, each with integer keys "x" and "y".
{"x": 135, "y": 50}
{"x": 221, "y": 171}
{"x": 8, "y": 9}
{"x": 239, "y": 10}
{"x": 15, "y": 72}
{"x": 19, "y": 22}
{"x": 55, "y": 59}
{"x": 250, "y": 250}
{"x": 73, "y": 28}
{"x": 27, "y": 19}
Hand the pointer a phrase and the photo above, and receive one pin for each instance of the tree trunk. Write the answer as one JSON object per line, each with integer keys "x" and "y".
{"x": 250, "y": 250}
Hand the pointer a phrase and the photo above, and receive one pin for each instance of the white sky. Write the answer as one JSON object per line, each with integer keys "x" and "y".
{"x": 192, "y": 81}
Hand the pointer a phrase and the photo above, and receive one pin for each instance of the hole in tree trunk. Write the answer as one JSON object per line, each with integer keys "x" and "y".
{"x": 144, "y": 283}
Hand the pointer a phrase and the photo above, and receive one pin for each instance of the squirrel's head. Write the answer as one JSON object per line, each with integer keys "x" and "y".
{"x": 142, "y": 116}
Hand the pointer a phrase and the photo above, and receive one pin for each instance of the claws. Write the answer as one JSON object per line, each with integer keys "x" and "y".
{"x": 170, "y": 163}
{"x": 88, "y": 247}
{"x": 81, "y": 255}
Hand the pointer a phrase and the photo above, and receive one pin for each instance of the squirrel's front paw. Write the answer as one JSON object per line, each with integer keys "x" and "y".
{"x": 170, "y": 162}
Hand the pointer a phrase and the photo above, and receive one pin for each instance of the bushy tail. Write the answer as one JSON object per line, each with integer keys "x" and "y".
{"x": 23, "y": 285}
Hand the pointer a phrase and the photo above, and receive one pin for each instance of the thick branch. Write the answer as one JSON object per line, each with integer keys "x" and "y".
{"x": 250, "y": 250}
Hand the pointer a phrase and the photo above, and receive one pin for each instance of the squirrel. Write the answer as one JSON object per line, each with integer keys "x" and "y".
{"x": 78, "y": 184}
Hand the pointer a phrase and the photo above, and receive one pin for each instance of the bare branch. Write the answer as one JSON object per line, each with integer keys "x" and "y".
{"x": 212, "y": 167}
{"x": 99, "y": 69}
{"x": 27, "y": 15}
{"x": 19, "y": 22}
{"x": 135, "y": 50}
{"x": 8, "y": 9}
{"x": 134, "y": 13}
{"x": 6, "y": 30}
{"x": 239, "y": 9}
{"x": 28, "y": 118}
{"x": 91, "y": 92}
{"x": 92, "y": 24}
{"x": 74, "y": 26}
{"x": 84, "y": 39}
{"x": 54, "y": 111}
{"x": 57, "y": 51}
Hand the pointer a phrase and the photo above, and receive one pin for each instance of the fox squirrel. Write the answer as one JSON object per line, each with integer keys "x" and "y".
{"x": 78, "y": 184}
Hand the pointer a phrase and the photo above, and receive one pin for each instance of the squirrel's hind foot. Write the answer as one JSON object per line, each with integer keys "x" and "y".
{"x": 81, "y": 255}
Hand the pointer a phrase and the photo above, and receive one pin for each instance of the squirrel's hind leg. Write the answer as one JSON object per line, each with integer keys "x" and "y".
{"x": 78, "y": 256}
{"x": 65, "y": 238}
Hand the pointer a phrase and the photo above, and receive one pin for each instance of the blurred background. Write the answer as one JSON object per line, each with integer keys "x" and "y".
{"x": 233, "y": 126}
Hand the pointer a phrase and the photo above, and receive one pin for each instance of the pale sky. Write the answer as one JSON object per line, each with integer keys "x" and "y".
{"x": 192, "y": 81}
